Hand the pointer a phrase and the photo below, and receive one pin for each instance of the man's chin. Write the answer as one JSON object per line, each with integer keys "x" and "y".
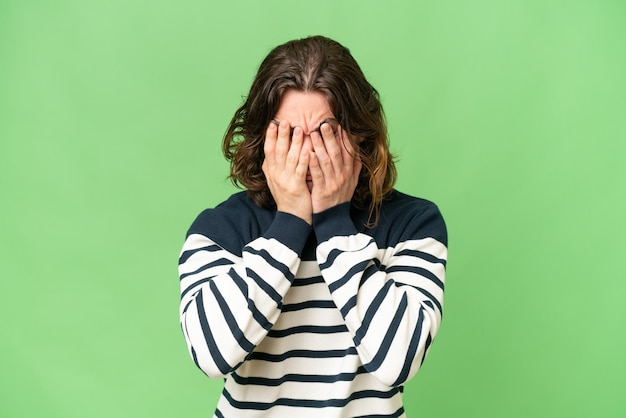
{"x": 309, "y": 184}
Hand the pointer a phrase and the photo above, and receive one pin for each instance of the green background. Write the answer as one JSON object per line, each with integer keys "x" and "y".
{"x": 510, "y": 115}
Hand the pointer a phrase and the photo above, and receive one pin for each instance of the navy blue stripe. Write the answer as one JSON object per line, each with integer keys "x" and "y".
{"x": 411, "y": 350}
{"x": 378, "y": 359}
{"x": 429, "y": 340}
{"x": 351, "y": 303}
{"x": 215, "y": 263}
{"x": 333, "y": 254}
{"x": 313, "y": 329}
{"x": 294, "y": 377}
{"x": 187, "y": 306}
{"x": 316, "y": 354}
{"x": 371, "y": 311}
{"x": 330, "y": 258}
{"x": 183, "y": 325}
{"x": 357, "y": 268}
{"x": 208, "y": 337}
{"x": 369, "y": 272}
{"x": 396, "y": 414}
{"x": 195, "y": 358}
{"x": 243, "y": 287}
{"x": 265, "y": 286}
{"x": 310, "y": 403}
{"x": 188, "y": 253}
{"x": 218, "y": 413}
{"x": 194, "y": 285}
{"x": 309, "y": 304}
{"x": 258, "y": 316}
{"x": 307, "y": 281}
{"x": 417, "y": 270}
{"x": 230, "y": 320}
{"x": 420, "y": 254}
{"x": 271, "y": 261}
{"x": 430, "y": 296}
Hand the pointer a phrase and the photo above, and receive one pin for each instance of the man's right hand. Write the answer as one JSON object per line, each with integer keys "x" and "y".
{"x": 285, "y": 167}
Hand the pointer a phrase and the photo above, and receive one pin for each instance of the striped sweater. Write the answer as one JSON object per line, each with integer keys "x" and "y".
{"x": 327, "y": 320}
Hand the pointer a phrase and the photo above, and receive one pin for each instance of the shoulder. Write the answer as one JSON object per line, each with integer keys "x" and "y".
{"x": 404, "y": 217}
{"x": 233, "y": 223}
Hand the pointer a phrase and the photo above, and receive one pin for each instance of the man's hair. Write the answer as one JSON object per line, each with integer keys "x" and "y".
{"x": 314, "y": 64}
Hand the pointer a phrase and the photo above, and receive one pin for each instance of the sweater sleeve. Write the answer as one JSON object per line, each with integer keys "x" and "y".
{"x": 229, "y": 301}
{"x": 390, "y": 298}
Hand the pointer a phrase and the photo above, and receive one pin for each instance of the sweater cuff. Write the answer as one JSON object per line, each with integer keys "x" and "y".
{"x": 289, "y": 230}
{"x": 333, "y": 222}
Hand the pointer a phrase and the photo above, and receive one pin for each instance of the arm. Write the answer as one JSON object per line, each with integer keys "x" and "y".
{"x": 229, "y": 302}
{"x": 390, "y": 298}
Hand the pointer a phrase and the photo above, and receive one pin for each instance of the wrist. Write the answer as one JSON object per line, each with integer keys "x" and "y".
{"x": 303, "y": 212}
{"x": 290, "y": 230}
{"x": 334, "y": 221}
{"x": 319, "y": 207}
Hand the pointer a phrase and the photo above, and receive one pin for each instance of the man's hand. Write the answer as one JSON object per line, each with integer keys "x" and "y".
{"x": 285, "y": 167}
{"x": 334, "y": 170}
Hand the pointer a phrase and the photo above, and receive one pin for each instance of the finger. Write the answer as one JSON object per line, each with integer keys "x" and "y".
{"x": 348, "y": 153}
{"x": 322, "y": 158}
{"x": 317, "y": 175}
{"x": 269, "y": 145}
{"x": 303, "y": 164}
{"x": 283, "y": 140}
{"x": 332, "y": 144}
{"x": 295, "y": 148}
{"x": 356, "y": 169}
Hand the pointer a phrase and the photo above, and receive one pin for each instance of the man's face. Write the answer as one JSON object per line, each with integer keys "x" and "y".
{"x": 307, "y": 110}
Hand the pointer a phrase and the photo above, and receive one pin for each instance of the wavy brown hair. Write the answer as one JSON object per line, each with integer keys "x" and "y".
{"x": 322, "y": 65}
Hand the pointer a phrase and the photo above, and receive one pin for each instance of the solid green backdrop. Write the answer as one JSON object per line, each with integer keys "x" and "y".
{"x": 508, "y": 114}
